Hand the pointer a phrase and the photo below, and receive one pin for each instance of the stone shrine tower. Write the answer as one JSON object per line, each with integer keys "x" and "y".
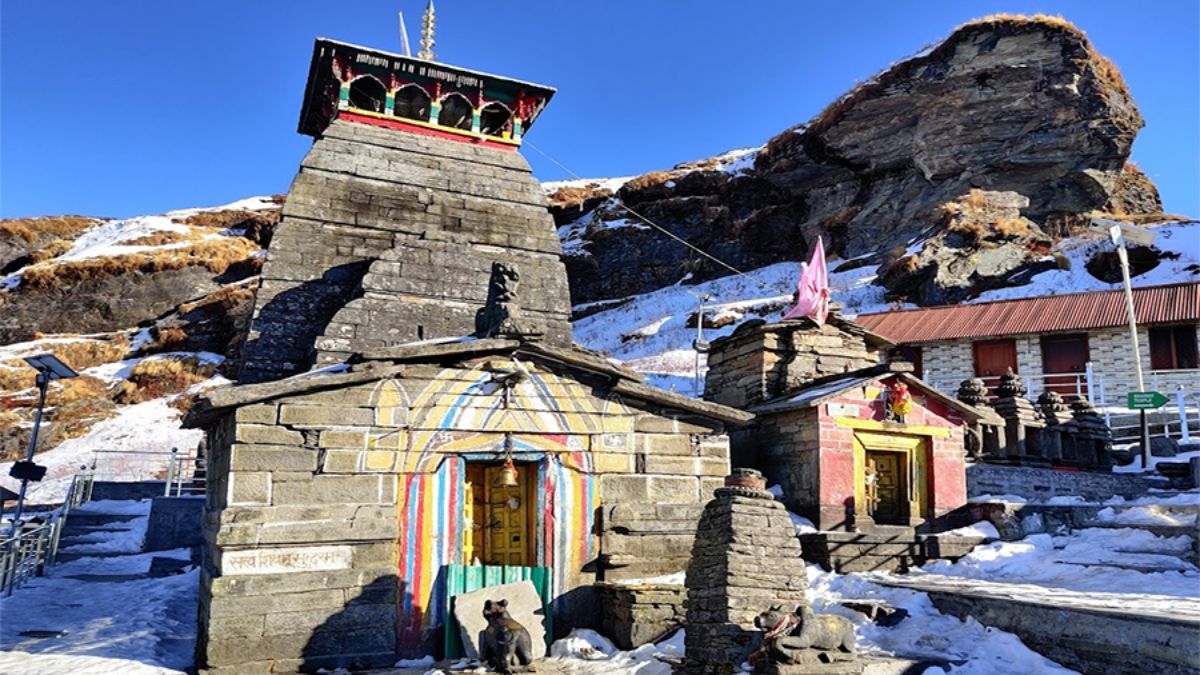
{"x": 412, "y": 189}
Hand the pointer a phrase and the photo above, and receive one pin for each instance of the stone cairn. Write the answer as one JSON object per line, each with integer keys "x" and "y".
{"x": 746, "y": 558}
{"x": 1022, "y": 423}
{"x": 1056, "y": 433}
{"x": 982, "y": 439}
{"x": 1092, "y": 447}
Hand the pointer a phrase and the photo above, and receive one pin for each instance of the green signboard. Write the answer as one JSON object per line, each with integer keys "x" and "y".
{"x": 1146, "y": 400}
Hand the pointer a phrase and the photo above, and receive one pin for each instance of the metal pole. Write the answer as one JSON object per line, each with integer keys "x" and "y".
{"x": 1133, "y": 339}
{"x": 1185, "y": 434}
{"x": 699, "y": 386}
{"x": 43, "y": 382}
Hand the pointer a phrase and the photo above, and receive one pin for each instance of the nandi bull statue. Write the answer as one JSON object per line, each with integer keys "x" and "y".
{"x": 798, "y": 642}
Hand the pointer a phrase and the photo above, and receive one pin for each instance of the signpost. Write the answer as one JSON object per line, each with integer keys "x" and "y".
{"x": 1146, "y": 400}
{"x": 1120, "y": 232}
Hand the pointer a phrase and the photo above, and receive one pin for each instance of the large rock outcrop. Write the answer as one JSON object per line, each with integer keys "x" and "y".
{"x": 1004, "y": 104}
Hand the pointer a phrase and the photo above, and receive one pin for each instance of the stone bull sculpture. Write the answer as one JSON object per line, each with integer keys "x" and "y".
{"x": 803, "y": 637}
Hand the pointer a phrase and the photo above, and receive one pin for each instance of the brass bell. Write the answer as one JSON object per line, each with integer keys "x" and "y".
{"x": 508, "y": 475}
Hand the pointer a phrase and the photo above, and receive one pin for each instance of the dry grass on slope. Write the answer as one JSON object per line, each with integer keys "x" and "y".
{"x": 80, "y": 354}
{"x": 217, "y": 255}
{"x": 30, "y": 229}
{"x": 158, "y": 377}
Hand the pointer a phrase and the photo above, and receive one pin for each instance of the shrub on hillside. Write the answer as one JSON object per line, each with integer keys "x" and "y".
{"x": 157, "y": 377}
{"x": 217, "y": 255}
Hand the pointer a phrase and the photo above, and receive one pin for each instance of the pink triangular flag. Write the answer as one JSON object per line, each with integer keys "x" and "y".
{"x": 812, "y": 293}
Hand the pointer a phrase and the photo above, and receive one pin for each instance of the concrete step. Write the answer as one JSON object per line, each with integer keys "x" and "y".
{"x": 1093, "y": 632}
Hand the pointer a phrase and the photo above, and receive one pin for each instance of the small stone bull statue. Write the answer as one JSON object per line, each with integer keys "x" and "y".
{"x": 506, "y": 643}
{"x": 803, "y": 636}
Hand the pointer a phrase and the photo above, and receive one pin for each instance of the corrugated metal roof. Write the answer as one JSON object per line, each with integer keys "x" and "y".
{"x": 1172, "y": 303}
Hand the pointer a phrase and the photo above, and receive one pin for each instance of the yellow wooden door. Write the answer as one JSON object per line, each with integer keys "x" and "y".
{"x": 500, "y": 518}
{"x": 887, "y": 494}
{"x": 912, "y": 476}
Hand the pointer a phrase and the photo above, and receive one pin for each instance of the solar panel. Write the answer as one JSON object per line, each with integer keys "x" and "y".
{"x": 51, "y": 366}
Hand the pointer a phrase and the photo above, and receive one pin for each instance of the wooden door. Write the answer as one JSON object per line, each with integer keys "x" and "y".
{"x": 1064, "y": 362}
{"x": 993, "y": 358}
{"x": 887, "y": 496}
{"x": 501, "y": 518}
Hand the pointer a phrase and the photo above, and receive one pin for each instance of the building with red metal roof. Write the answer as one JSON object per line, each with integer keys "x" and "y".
{"x": 1065, "y": 342}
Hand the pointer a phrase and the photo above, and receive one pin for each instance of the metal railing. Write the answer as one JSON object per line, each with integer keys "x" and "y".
{"x": 186, "y": 474}
{"x": 1178, "y": 419}
{"x": 183, "y": 472}
{"x": 31, "y": 547}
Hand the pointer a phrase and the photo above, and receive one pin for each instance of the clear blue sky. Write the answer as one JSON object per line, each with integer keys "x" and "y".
{"x": 121, "y": 108}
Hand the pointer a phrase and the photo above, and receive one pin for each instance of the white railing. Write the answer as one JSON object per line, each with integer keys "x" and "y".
{"x": 183, "y": 472}
{"x": 32, "y": 545}
{"x": 1107, "y": 392}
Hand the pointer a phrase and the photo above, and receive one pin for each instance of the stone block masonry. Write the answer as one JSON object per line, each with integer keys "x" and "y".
{"x": 746, "y": 558}
{"x": 388, "y": 238}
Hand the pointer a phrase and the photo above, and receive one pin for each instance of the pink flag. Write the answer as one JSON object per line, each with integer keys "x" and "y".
{"x": 812, "y": 293}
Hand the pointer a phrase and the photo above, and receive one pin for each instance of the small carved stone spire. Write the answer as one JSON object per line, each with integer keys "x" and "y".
{"x": 973, "y": 392}
{"x": 428, "y": 22}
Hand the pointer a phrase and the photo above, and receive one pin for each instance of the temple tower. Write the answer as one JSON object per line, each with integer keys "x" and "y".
{"x": 412, "y": 189}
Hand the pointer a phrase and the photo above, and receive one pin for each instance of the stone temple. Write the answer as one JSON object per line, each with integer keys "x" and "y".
{"x": 414, "y": 421}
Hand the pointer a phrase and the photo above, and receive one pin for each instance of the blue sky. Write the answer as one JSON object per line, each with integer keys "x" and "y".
{"x": 121, "y": 108}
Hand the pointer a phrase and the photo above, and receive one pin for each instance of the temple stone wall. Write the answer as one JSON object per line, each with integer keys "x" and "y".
{"x": 647, "y": 539}
{"x": 759, "y": 362}
{"x": 314, "y": 494}
{"x": 633, "y": 615}
{"x": 388, "y": 238}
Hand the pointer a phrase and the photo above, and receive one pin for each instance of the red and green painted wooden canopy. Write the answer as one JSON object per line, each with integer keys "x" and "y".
{"x": 409, "y": 94}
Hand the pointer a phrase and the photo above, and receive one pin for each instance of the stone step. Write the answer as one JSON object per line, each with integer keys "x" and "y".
{"x": 1142, "y": 564}
{"x": 65, "y": 556}
{"x": 89, "y": 519}
{"x": 1158, "y": 530}
{"x": 1122, "y": 634}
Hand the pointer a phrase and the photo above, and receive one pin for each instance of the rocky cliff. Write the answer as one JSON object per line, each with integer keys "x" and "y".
{"x": 1020, "y": 106}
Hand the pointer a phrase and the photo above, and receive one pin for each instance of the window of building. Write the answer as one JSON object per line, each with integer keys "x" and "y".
{"x": 1173, "y": 347}
{"x": 411, "y": 102}
{"x": 913, "y": 355}
{"x": 493, "y": 119}
{"x": 457, "y": 112}
{"x": 367, "y": 93}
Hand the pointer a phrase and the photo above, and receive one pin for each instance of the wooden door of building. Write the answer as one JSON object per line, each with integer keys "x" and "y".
{"x": 993, "y": 358}
{"x": 501, "y": 517}
{"x": 1064, "y": 363}
{"x": 886, "y": 493}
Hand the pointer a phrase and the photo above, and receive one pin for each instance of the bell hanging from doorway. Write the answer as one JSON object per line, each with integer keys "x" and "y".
{"x": 508, "y": 475}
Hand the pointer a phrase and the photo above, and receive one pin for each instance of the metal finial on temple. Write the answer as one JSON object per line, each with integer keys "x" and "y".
{"x": 428, "y": 22}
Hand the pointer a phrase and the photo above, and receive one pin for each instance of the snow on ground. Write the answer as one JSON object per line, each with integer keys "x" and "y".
{"x": 150, "y": 427}
{"x": 96, "y": 626}
{"x": 1076, "y": 562}
{"x": 586, "y": 652}
{"x": 1136, "y": 465}
{"x": 1181, "y": 239}
{"x": 972, "y": 648}
{"x": 110, "y": 237}
{"x": 612, "y": 184}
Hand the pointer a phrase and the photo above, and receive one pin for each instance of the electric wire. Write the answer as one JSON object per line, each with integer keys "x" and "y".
{"x": 651, "y": 223}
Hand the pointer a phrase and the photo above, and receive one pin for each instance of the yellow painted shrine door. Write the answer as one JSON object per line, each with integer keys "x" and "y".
{"x": 501, "y": 518}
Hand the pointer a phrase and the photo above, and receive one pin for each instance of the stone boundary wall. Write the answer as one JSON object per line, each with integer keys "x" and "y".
{"x": 639, "y": 614}
{"x": 1035, "y": 483}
